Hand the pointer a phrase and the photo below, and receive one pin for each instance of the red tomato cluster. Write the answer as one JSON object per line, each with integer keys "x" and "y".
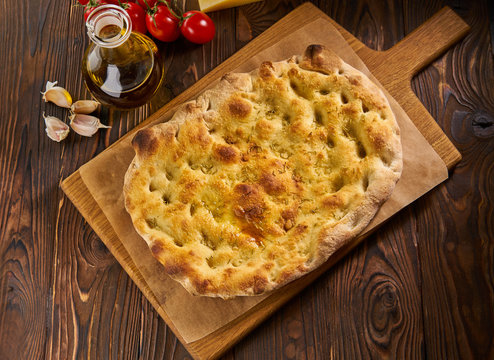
{"x": 157, "y": 17}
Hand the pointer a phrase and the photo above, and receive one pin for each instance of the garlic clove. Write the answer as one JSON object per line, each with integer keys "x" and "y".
{"x": 86, "y": 125}
{"x": 85, "y": 106}
{"x": 57, "y": 95}
{"x": 56, "y": 129}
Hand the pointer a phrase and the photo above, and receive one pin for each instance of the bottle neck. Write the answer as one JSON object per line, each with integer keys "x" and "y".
{"x": 108, "y": 26}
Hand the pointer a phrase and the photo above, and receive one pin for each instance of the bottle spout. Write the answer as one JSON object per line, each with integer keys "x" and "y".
{"x": 108, "y": 26}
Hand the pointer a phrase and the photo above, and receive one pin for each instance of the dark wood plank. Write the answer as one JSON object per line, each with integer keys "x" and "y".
{"x": 63, "y": 295}
{"x": 29, "y": 173}
{"x": 455, "y": 232}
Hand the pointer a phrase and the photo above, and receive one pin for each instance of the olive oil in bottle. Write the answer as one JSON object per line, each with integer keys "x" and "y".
{"x": 122, "y": 69}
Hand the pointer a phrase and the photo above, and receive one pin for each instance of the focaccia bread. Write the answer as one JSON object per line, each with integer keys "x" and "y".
{"x": 264, "y": 176}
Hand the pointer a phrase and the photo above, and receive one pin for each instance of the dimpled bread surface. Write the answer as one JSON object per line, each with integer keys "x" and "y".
{"x": 261, "y": 178}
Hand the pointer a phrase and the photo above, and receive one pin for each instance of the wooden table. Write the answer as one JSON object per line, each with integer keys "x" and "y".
{"x": 423, "y": 286}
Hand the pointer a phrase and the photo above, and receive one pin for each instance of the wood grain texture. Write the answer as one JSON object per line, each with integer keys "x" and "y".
{"x": 28, "y": 202}
{"x": 458, "y": 92}
{"x": 422, "y": 287}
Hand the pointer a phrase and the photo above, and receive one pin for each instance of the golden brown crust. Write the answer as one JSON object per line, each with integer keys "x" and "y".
{"x": 263, "y": 177}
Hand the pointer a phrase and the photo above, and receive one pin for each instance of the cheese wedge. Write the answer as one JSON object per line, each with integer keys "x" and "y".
{"x": 213, "y": 5}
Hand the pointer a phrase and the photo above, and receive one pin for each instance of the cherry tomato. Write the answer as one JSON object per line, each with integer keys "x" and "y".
{"x": 162, "y": 24}
{"x": 146, "y": 4}
{"x": 197, "y": 27}
{"x": 88, "y": 10}
{"x": 137, "y": 15}
{"x": 114, "y": 2}
{"x": 83, "y": 2}
{"x": 91, "y": 5}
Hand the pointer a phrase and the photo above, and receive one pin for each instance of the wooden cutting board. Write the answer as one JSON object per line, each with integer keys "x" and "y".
{"x": 394, "y": 68}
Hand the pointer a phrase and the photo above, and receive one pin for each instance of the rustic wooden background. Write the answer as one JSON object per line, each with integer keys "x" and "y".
{"x": 422, "y": 287}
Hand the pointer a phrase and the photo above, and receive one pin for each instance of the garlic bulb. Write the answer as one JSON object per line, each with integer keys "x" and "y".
{"x": 84, "y": 106}
{"x": 85, "y": 125}
{"x": 56, "y": 129}
{"x": 57, "y": 95}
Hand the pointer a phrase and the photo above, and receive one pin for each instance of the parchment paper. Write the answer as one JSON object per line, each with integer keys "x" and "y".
{"x": 196, "y": 317}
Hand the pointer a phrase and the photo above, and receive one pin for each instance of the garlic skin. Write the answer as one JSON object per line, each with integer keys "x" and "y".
{"x": 85, "y": 106}
{"x": 86, "y": 125}
{"x": 57, "y": 95}
{"x": 56, "y": 129}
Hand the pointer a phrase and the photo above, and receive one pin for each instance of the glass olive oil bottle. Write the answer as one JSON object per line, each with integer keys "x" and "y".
{"x": 122, "y": 69}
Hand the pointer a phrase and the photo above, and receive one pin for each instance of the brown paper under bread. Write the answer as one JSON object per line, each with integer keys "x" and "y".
{"x": 196, "y": 317}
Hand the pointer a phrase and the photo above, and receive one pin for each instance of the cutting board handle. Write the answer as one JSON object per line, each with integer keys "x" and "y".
{"x": 428, "y": 41}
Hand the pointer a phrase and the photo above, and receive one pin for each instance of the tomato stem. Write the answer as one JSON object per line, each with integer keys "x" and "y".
{"x": 180, "y": 17}
{"x": 147, "y": 5}
{"x": 124, "y": 5}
